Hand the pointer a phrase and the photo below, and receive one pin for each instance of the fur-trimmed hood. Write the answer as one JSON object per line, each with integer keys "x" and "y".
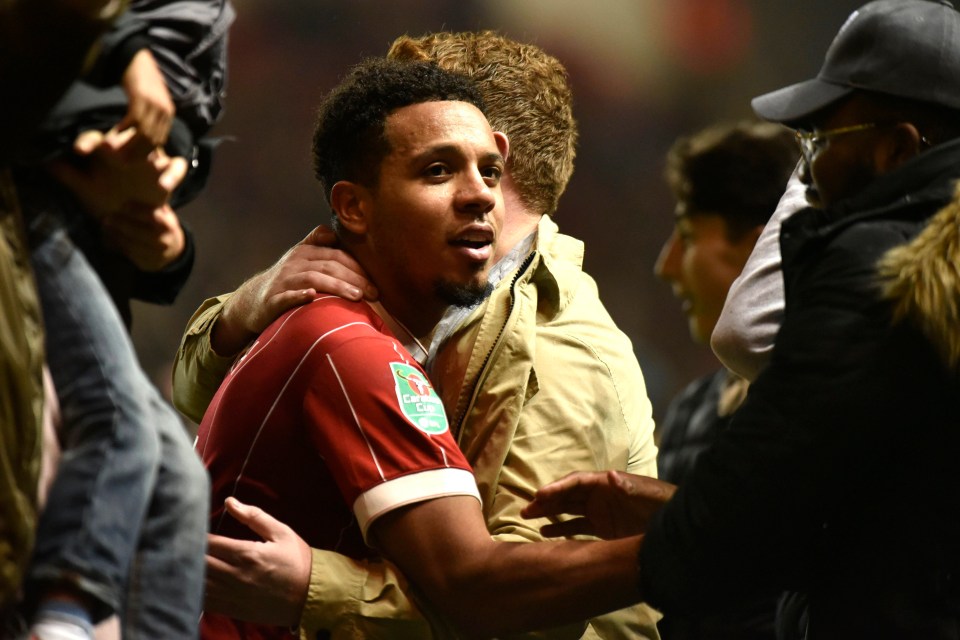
{"x": 922, "y": 279}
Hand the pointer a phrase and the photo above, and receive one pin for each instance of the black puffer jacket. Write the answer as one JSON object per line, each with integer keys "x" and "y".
{"x": 838, "y": 477}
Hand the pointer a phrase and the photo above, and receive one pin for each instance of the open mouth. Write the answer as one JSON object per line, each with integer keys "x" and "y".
{"x": 471, "y": 244}
{"x": 476, "y": 244}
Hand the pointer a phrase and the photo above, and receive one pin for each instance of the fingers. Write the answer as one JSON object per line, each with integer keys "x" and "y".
{"x": 227, "y": 552}
{"x": 87, "y": 142}
{"x": 258, "y": 520}
{"x": 326, "y": 277}
{"x": 642, "y": 487}
{"x": 150, "y": 238}
{"x": 173, "y": 174}
{"x": 567, "y": 495}
{"x": 574, "y": 527}
{"x": 321, "y": 236}
{"x": 283, "y": 302}
{"x": 303, "y": 272}
{"x": 263, "y": 582}
{"x": 223, "y": 579}
{"x": 151, "y": 124}
{"x": 151, "y": 108}
{"x": 319, "y": 247}
{"x": 128, "y": 142}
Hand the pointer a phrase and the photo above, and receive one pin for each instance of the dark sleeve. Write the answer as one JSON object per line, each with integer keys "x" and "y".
{"x": 117, "y": 47}
{"x": 749, "y": 515}
{"x": 162, "y": 287}
{"x": 188, "y": 39}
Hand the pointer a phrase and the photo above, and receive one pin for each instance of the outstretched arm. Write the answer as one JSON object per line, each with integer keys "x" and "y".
{"x": 485, "y": 586}
{"x": 491, "y": 588}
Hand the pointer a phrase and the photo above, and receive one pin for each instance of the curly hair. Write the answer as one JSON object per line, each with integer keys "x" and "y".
{"x": 349, "y": 139}
{"x": 527, "y": 96}
{"x": 737, "y": 171}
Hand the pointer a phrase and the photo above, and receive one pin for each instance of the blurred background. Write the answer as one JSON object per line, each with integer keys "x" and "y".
{"x": 643, "y": 72}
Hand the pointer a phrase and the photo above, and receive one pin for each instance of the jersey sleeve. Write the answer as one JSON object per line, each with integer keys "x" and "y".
{"x": 382, "y": 430}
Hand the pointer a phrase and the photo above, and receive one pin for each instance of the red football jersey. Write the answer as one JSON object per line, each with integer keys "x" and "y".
{"x": 326, "y": 423}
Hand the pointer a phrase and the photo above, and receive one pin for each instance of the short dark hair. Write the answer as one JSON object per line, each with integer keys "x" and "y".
{"x": 349, "y": 139}
{"x": 528, "y": 98}
{"x": 737, "y": 171}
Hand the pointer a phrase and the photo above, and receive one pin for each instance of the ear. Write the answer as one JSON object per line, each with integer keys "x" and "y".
{"x": 350, "y": 203}
{"x": 503, "y": 144}
{"x": 903, "y": 144}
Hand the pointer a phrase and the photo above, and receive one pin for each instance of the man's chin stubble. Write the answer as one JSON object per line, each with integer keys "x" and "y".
{"x": 462, "y": 295}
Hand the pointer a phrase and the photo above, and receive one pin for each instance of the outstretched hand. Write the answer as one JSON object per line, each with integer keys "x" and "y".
{"x": 263, "y": 582}
{"x": 312, "y": 266}
{"x": 611, "y": 504}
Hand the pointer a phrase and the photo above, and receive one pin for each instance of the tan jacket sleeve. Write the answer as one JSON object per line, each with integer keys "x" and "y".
{"x": 359, "y": 599}
{"x": 197, "y": 369}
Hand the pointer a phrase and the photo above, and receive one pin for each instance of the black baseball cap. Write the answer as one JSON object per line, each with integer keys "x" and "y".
{"x": 904, "y": 48}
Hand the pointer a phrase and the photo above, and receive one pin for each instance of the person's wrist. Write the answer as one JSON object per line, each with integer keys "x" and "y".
{"x": 228, "y": 336}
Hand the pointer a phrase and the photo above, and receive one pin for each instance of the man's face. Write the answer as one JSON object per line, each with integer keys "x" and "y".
{"x": 701, "y": 262}
{"x": 437, "y": 209}
{"x": 843, "y": 164}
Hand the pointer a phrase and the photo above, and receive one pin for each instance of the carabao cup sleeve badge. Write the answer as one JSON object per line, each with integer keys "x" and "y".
{"x": 418, "y": 401}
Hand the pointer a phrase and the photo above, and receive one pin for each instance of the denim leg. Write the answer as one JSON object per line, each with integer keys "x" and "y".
{"x": 89, "y": 529}
{"x": 120, "y": 443}
{"x": 170, "y": 559}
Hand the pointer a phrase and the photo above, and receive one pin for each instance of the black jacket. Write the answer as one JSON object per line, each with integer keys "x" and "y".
{"x": 690, "y": 426}
{"x": 838, "y": 476}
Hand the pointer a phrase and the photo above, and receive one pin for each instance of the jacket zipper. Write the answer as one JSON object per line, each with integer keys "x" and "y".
{"x": 493, "y": 347}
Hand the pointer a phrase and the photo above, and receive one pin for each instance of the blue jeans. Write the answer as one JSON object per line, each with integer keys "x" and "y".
{"x": 126, "y": 518}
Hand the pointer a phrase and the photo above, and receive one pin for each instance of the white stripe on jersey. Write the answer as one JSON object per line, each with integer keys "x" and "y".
{"x": 244, "y": 360}
{"x": 276, "y": 400}
{"x": 356, "y": 420}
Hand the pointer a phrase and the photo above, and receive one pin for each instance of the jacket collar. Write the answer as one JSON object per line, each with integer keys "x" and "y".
{"x": 927, "y": 178}
{"x": 923, "y": 184}
{"x": 560, "y": 260}
{"x": 922, "y": 280}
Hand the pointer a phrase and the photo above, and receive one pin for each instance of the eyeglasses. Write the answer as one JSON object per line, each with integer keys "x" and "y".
{"x": 811, "y": 142}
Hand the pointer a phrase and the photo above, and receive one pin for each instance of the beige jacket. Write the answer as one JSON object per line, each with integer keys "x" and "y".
{"x": 538, "y": 382}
